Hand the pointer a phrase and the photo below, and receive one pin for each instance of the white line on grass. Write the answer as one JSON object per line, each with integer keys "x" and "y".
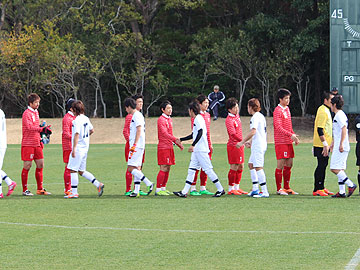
{"x": 163, "y": 230}
{"x": 354, "y": 262}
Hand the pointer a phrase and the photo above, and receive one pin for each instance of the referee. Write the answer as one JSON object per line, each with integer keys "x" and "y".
{"x": 321, "y": 145}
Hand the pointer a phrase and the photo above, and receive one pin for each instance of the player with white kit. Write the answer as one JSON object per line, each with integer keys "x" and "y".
{"x": 81, "y": 131}
{"x": 258, "y": 148}
{"x": 3, "y": 146}
{"x": 199, "y": 150}
{"x": 137, "y": 147}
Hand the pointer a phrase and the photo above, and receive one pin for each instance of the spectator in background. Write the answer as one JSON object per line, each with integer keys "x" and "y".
{"x": 216, "y": 99}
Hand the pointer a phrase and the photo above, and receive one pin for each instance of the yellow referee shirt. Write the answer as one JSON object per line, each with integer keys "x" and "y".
{"x": 323, "y": 120}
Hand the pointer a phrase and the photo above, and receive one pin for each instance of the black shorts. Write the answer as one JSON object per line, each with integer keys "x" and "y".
{"x": 357, "y": 154}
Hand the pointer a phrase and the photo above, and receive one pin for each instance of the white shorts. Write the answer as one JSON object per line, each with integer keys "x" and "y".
{"x": 257, "y": 158}
{"x": 78, "y": 163}
{"x": 2, "y": 155}
{"x": 200, "y": 160}
{"x": 338, "y": 160}
{"x": 137, "y": 157}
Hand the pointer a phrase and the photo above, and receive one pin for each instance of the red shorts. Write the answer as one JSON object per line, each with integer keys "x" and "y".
{"x": 284, "y": 151}
{"x": 29, "y": 153}
{"x": 66, "y": 155}
{"x": 235, "y": 155}
{"x": 166, "y": 156}
{"x": 127, "y": 148}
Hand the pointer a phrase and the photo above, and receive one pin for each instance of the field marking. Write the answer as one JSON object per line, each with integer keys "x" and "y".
{"x": 177, "y": 231}
{"x": 354, "y": 262}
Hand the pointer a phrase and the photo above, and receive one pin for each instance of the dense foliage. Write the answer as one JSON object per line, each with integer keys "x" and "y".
{"x": 103, "y": 51}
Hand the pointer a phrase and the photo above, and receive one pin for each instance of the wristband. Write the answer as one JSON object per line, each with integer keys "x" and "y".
{"x": 325, "y": 143}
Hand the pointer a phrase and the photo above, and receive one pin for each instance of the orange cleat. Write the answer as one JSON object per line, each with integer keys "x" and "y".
{"x": 290, "y": 191}
{"x": 282, "y": 192}
{"x": 320, "y": 193}
{"x": 328, "y": 192}
{"x": 242, "y": 192}
{"x": 42, "y": 192}
{"x": 67, "y": 192}
{"x": 234, "y": 192}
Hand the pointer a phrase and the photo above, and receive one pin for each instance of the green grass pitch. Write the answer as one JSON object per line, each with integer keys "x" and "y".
{"x": 231, "y": 232}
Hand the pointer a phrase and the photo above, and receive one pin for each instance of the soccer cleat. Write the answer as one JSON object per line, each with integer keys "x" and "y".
{"x": 253, "y": 193}
{"x": 128, "y": 193}
{"x": 142, "y": 193}
{"x": 206, "y": 192}
{"x": 150, "y": 188}
{"x": 195, "y": 193}
{"x": 11, "y": 188}
{"x": 134, "y": 195}
{"x": 168, "y": 192}
{"x": 67, "y": 192}
{"x": 219, "y": 193}
{"x": 42, "y": 192}
{"x": 339, "y": 195}
{"x": 234, "y": 192}
{"x": 351, "y": 190}
{"x": 1, "y": 196}
{"x": 281, "y": 192}
{"x": 328, "y": 192}
{"x": 72, "y": 196}
{"x": 290, "y": 191}
{"x": 320, "y": 193}
{"x": 241, "y": 191}
{"x": 161, "y": 193}
{"x": 101, "y": 189}
{"x": 27, "y": 193}
{"x": 180, "y": 194}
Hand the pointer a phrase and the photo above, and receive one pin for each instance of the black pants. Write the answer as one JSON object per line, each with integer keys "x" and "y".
{"x": 320, "y": 171}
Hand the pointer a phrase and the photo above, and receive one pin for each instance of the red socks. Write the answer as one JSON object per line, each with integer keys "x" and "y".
{"x": 203, "y": 178}
{"x": 24, "y": 179}
{"x": 278, "y": 178}
{"x": 195, "y": 178}
{"x": 39, "y": 178}
{"x": 287, "y": 174}
{"x": 128, "y": 177}
{"x": 67, "y": 179}
{"x": 160, "y": 180}
{"x": 232, "y": 175}
{"x": 238, "y": 177}
{"x": 166, "y": 179}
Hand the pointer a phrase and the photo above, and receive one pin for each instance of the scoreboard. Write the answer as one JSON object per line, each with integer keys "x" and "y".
{"x": 345, "y": 51}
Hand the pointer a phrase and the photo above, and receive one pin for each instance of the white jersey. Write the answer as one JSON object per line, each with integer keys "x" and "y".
{"x": 136, "y": 121}
{"x": 202, "y": 145}
{"x": 340, "y": 120}
{"x": 3, "y": 142}
{"x": 82, "y": 126}
{"x": 258, "y": 122}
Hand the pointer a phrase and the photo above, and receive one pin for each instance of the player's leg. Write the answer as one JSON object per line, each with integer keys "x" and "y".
{"x": 254, "y": 179}
{"x": 320, "y": 172}
{"x": 27, "y": 156}
{"x": 161, "y": 179}
{"x": 11, "y": 184}
{"x": 193, "y": 167}
{"x": 67, "y": 177}
{"x": 240, "y": 160}
{"x": 39, "y": 161}
{"x": 73, "y": 166}
{"x": 232, "y": 175}
{"x": 358, "y": 161}
{"x": 89, "y": 176}
{"x": 193, "y": 191}
{"x": 203, "y": 181}
{"x": 289, "y": 156}
{"x": 128, "y": 175}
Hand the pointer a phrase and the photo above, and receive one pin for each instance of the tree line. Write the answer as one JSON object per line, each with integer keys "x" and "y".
{"x": 103, "y": 51}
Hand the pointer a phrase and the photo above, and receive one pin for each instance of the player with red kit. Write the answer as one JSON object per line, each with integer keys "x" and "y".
{"x": 66, "y": 143}
{"x": 284, "y": 136}
{"x": 31, "y": 147}
{"x": 235, "y": 154}
{"x": 204, "y": 105}
{"x": 165, "y": 149}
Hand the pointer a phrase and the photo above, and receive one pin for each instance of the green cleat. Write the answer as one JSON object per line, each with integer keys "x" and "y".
{"x": 195, "y": 193}
{"x": 206, "y": 192}
{"x": 142, "y": 193}
{"x": 168, "y": 192}
{"x": 128, "y": 193}
{"x": 161, "y": 193}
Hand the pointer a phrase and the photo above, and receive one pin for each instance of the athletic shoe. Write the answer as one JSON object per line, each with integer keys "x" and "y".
{"x": 128, "y": 193}
{"x": 290, "y": 191}
{"x": 101, "y": 189}
{"x": 320, "y": 193}
{"x": 253, "y": 193}
{"x": 241, "y": 191}
{"x": 72, "y": 196}
{"x": 328, "y": 192}
{"x": 142, "y": 193}
{"x": 1, "y": 196}
{"x": 281, "y": 192}
{"x": 180, "y": 194}
{"x": 219, "y": 193}
{"x": 27, "y": 193}
{"x": 206, "y": 192}
{"x": 150, "y": 188}
{"x": 339, "y": 195}
{"x": 11, "y": 188}
{"x": 161, "y": 193}
{"x": 195, "y": 193}
{"x": 351, "y": 190}
{"x": 234, "y": 192}
{"x": 133, "y": 194}
{"x": 67, "y": 192}
{"x": 42, "y": 192}
{"x": 168, "y": 192}
{"x": 261, "y": 195}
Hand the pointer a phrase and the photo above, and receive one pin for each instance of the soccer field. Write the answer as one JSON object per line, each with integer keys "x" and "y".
{"x": 231, "y": 232}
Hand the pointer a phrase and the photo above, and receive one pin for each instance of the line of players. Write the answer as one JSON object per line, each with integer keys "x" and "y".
{"x": 77, "y": 129}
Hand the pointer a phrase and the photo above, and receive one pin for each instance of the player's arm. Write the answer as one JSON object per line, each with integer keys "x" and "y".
{"x": 75, "y": 143}
{"x": 188, "y": 137}
{"x": 29, "y": 125}
{"x": 91, "y": 131}
{"x": 197, "y": 139}
{"x": 248, "y": 137}
{"x": 165, "y": 133}
{"x": 343, "y": 135}
{"x": 281, "y": 130}
{"x": 67, "y": 129}
{"x": 126, "y": 130}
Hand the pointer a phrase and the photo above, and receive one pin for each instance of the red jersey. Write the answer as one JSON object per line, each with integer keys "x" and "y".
{"x": 126, "y": 130}
{"x": 206, "y": 117}
{"x": 282, "y": 125}
{"x": 165, "y": 132}
{"x": 234, "y": 129}
{"x": 66, "y": 131}
{"x": 31, "y": 128}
